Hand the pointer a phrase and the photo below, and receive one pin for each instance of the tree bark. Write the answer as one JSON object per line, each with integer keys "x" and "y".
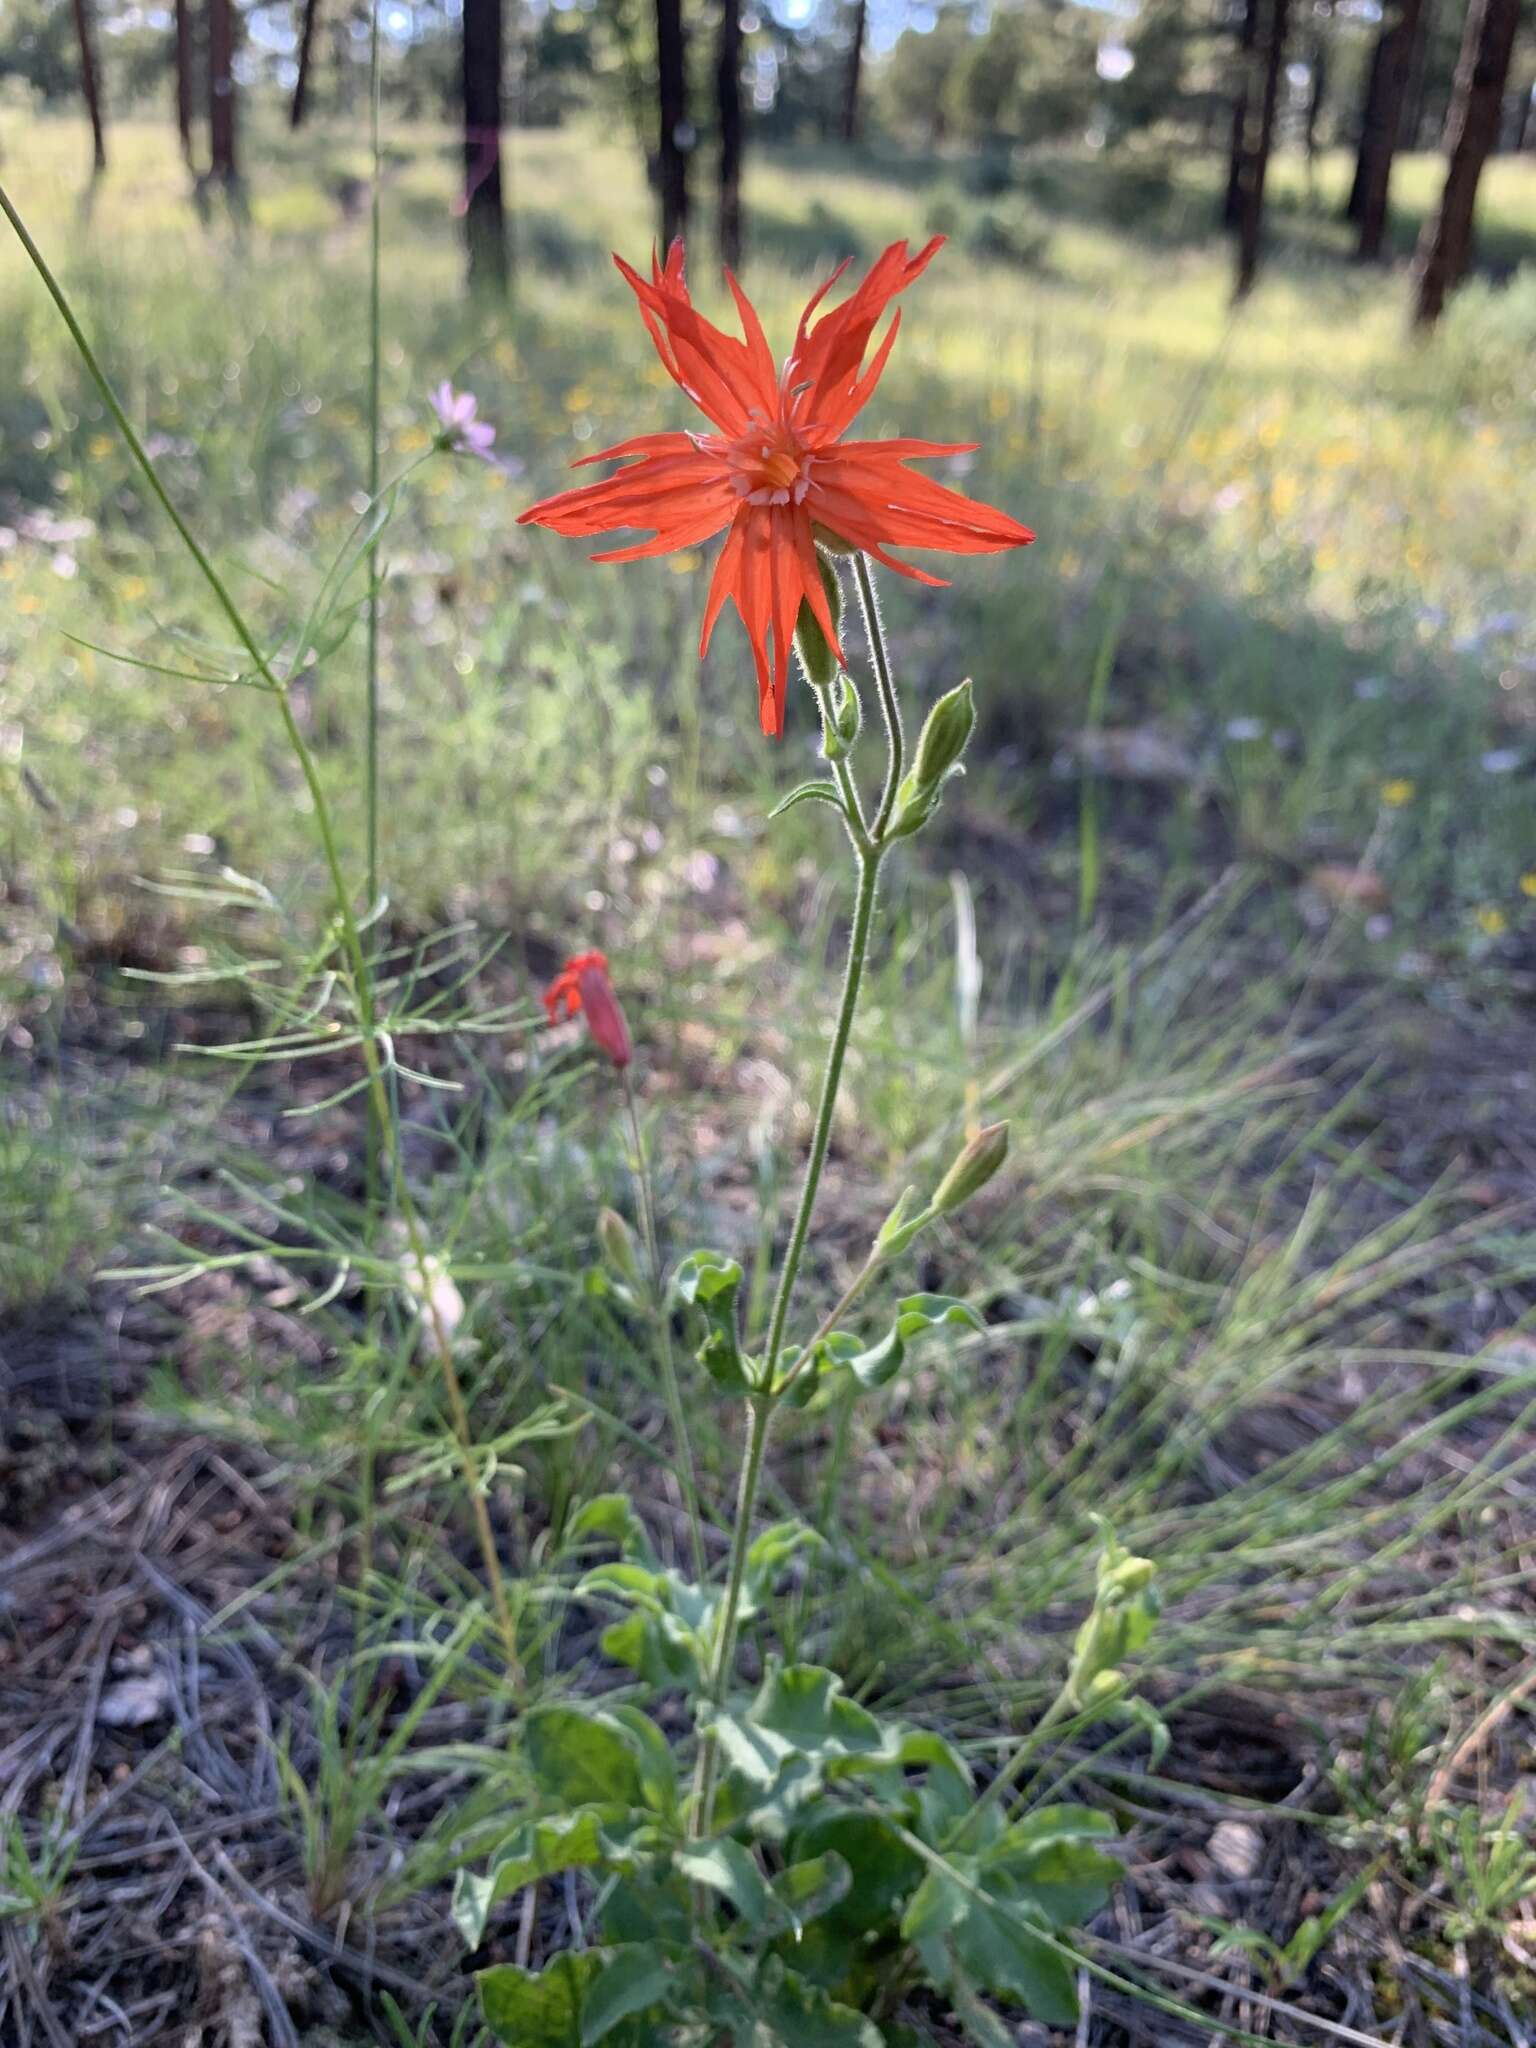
{"x": 674, "y": 137}
{"x": 1258, "y": 139}
{"x": 1411, "y": 133}
{"x": 728, "y": 111}
{"x": 1317, "y": 91}
{"x": 1471, "y": 133}
{"x": 221, "y": 92}
{"x": 1247, "y": 39}
{"x": 90, "y": 82}
{"x": 1369, "y": 125}
{"x": 306, "y": 53}
{"x": 183, "y": 27}
{"x": 853, "y": 75}
{"x": 485, "y": 225}
{"x": 1378, "y": 141}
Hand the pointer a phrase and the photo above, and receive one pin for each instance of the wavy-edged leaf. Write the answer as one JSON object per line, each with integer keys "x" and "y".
{"x": 731, "y": 1870}
{"x": 876, "y": 1365}
{"x": 631, "y": 1981}
{"x": 539, "y": 2009}
{"x": 709, "y": 1283}
{"x": 800, "y": 1711}
{"x": 582, "y": 1758}
{"x": 539, "y": 1848}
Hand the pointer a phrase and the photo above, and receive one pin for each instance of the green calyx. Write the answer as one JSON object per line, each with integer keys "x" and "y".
{"x": 817, "y": 655}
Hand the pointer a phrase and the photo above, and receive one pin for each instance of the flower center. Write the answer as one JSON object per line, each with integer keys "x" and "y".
{"x": 769, "y": 467}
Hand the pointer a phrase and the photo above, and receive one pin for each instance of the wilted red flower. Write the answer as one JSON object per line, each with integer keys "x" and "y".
{"x": 776, "y": 471}
{"x": 582, "y": 985}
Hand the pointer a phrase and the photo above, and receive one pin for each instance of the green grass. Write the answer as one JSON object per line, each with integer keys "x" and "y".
{"x": 1227, "y": 1307}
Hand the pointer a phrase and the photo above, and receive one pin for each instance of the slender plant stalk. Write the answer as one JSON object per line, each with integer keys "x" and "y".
{"x": 373, "y": 1136}
{"x": 358, "y": 975}
{"x": 375, "y": 339}
{"x": 890, "y": 708}
{"x": 868, "y": 850}
{"x": 670, "y": 1388}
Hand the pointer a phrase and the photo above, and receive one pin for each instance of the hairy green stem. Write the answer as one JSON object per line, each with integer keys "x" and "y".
{"x": 868, "y": 850}
{"x": 358, "y": 973}
{"x": 890, "y": 708}
{"x": 670, "y": 1388}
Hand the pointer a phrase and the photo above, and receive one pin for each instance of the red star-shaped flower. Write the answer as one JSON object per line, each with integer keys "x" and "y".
{"x": 776, "y": 471}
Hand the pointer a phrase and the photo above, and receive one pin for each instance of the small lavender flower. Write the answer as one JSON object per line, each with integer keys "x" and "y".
{"x": 456, "y": 412}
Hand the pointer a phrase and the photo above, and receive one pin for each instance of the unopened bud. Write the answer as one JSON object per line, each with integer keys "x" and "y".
{"x": 847, "y": 712}
{"x": 818, "y": 654}
{"x": 618, "y": 1245}
{"x": 973, "y": 1169}
{"x": 1103, "y": 1687}
{"x": 945, "y": 732}
{"x": 1131, "y": 1575}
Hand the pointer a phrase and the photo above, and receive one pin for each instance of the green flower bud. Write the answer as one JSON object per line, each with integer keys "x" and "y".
{"x": 618, "y": 1245}
{"x": 1132, "y": 1575}
{"x": 1103, "y": 1687}
{"x": 945, "y": 732}
{"x": 973, "y": 1169}
{"x": 811, "y": 644}
{"x": 847, "y": 712}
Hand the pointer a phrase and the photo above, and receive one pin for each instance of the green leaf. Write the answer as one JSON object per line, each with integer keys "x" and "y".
{"x": 540, "y": 2009}
{"x": 1052, "y": 1862}
{"x": 770, "y": 1552}
{"x": 653, "y": 1752}
{"x": 649, "y": 1904}
{"x": 980, "y": 2022}
{"x": 962, "y": 1918}
{"x": 800, "y": 1710}
{"x": 611, "y": 1518}
{"x": 709, "y": 1282}
{"x": 731, "y": 1870}
{"x": 806, "y": 1890}
{"x": 808, "y": 792}
{"x": 656, "y": 1650}
{"x": 883, "y": 1871}
{"x": 878, "y": 1364}
{"x": 667, "y": 1640}
{"x": 539, "y": 1848}
{"x": 1066, "y": 1881}
{"x": 631, "y": 1981}
{"x": 800, "y": 2015}
{"x": 582, "y": 1758}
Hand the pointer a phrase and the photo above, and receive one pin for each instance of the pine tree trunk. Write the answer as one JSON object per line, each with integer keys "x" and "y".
{"x": 485, "y": 226}
{"x": 1378, "y": 143}
{"x": 1317, "y": 93}
{"x": 90, "y": 82}
{"x": 1471, "y": 133}
{"x": 1410, "y": 135}
{"x": 854, "y": 73}
{"x": 728, "y": 111}
{"x": 221, "y": 92}
{"x": 183, "y": 25}
{"x": 674, "y": 136}
{"x": 306, "y": 55}
{"x": 1369, "y": 124}
{"x": 1257, "y": 143}
{"x": 1247, "y": 40}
